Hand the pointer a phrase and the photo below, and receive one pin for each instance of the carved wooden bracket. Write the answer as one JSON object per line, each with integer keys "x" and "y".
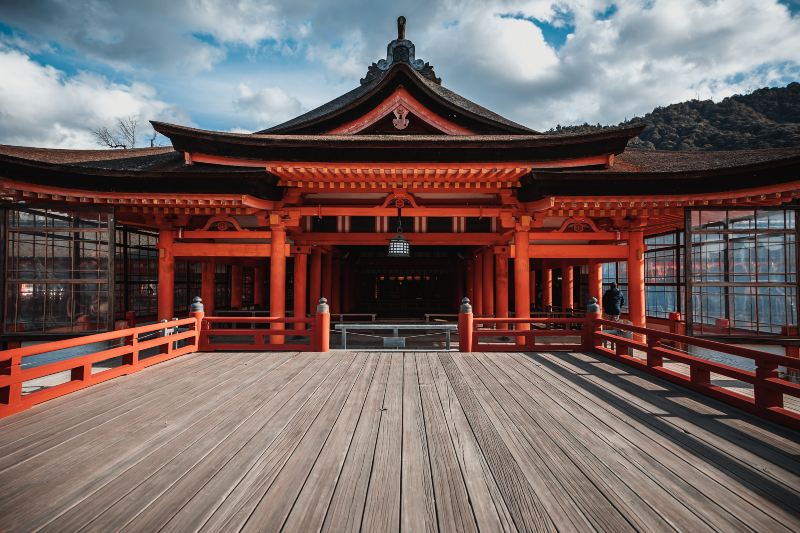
{"x": 578, "y": 225}
{"x": 222, "y": 223}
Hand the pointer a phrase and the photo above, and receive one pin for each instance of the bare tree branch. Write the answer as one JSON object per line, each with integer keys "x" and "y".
{"x": 123, "y": 136}
{"x": 127, "y": 129}
{"x": 152, "y": 138}
{"x": 104, "y": 137}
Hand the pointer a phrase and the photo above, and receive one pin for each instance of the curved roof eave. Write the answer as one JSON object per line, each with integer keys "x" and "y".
{"x": 438, "y": 93}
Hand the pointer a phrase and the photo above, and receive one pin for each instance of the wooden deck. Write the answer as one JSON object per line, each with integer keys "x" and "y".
{"x": 348, "y": 441}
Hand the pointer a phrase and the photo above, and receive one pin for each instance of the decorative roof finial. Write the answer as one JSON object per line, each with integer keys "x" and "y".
{"x": 401, "y": 50}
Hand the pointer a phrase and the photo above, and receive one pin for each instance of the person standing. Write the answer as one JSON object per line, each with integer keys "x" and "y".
{"x": 613, "y": 302}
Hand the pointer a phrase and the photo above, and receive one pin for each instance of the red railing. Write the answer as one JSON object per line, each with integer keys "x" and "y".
{"x": 171, "y": 340}
{"x": 261, "y": 333}
{"x": 647, "y": 349}
{"x": 768, "y": 386}
{"x": 526, "y": 339}
{"x": 132, "y": 343}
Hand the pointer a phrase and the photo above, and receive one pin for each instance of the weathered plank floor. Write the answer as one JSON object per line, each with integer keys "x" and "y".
{"x": 348, "y": 441}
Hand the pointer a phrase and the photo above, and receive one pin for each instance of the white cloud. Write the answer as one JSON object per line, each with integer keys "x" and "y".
{"x": 267, "y": 106}
{"x": 647, "y": 53}
{"x": 41, "y": 106}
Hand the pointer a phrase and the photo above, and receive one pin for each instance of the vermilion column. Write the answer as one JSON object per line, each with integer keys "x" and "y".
{"x": 477, "y": 306}
{"x": 567, "y": 286}
{"x": 327, "y": 276}
{"x": 208, "y": 275}
{"x": 636, "y": 303}
{"x": 336, "y": 285}
{"x": 501, "y": 292}
{"x": 488, "y": 282}
{"x": 547, "y": 287}
{"x": 522, "y": 292}
{"x": 166, "y": 275}
{"x": 470, "y": 281}
{"x": 258, "y": 287}
{"x": 315, "y": 277}
{"x": 300, "y": 296}
{"x": 596, "y": 281}
{"x": 236, "y": 286}
{"x": 277, "y": 280}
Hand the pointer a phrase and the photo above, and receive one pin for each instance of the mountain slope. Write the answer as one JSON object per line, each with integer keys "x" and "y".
{"x": 766, "y": 118}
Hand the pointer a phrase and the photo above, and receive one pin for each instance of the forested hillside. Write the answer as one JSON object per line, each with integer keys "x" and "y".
{"x": 766, "y": 118}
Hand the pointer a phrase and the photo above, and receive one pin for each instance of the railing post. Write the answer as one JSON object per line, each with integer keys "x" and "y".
{"x": 198, "y": 313}
{"x": 465, "y": 325}
{"x": 653, "y": 359}
{"x": 792, "y": 351}
{"x": 590, "y": 324}
{"x": 765, "y": 396}
{"x": 322, "y": 326}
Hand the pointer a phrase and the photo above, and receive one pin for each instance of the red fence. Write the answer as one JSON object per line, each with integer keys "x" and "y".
{"x": 132, "y": 345}
{"x": 171, "y": 339}
{"x": 260, "y": 333}
{"x": 647, "y": 349}
{"x": 526, "y": 339}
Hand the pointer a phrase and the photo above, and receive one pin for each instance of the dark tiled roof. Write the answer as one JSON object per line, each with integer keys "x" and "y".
{"x": 65, "y": 157}
{"x": 448, "y": 96}
{"x": 635, "y": 160}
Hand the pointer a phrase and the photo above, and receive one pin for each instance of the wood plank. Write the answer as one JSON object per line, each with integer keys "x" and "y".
{"x": 189, "y": 502}
{"x": 143, "y": 483}
{"x": 382, "y": 506}
{"x": 274, "y": 506}
{"x": 96, "y": 454}
{"x": 593, "y": 450}
{"x": 308, "y": 514}
{"x": 591, "y": 499}
{"x": 654, "y": 456}
{"x": 488, "y": 503}
{"x": 685, "y": 429}
{"x": 556, "y": 500}
{"x": 236, "y": 508}
{"x": 453, "y": 507}
{"x": 417, "y": 508}
{"x": 62, "y": 413}
{"x": 346, "y": 507}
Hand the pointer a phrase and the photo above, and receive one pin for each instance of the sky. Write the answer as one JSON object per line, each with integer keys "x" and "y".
{"x": 68, "y": 67}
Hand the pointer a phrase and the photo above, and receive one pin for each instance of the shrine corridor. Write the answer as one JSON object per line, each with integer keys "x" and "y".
{"x": 343, "y": 441}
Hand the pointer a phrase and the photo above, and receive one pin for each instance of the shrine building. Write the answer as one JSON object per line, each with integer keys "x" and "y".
{"x": 472, "y": 203}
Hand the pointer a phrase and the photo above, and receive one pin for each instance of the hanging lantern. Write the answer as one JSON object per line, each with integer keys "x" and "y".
{"x": 399, "y": 245}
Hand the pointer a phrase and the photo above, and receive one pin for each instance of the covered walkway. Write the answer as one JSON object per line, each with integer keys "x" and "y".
{"x": 343, "y": 441}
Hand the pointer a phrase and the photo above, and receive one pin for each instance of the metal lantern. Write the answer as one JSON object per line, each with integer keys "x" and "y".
{"x": 399, "y": 245}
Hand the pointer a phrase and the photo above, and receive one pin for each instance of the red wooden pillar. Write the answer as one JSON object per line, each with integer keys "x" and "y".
{"x": 596, "y": 281}
{"x": 477, "y": 306}
{"x": 470, "y": 280}
{"x": 236, "y": 286}
{"x": 501, "y": 292}
{"x": 336, "y": 285}
{"x": 258, "y": 286}
{"x": 166, "y": 275}
{"x": 208, "y": 275}
{"x": 533, "y": 288}
{"x": 636, "y": 303}
{"x": 488, "y": 282}
{"x": 277, "y": 280}
{"x": 522, "y": 292}
{"x": 315, "y": 277}
{"x": 300, "y": 298}
{"x": 547, "y": 287}
{"x": 567, "y": 286}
